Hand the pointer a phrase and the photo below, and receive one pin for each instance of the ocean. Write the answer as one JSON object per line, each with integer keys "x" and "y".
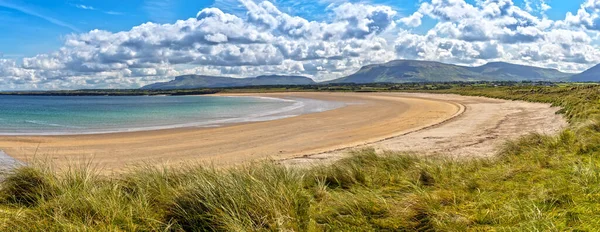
{"x": 62, "y": 115}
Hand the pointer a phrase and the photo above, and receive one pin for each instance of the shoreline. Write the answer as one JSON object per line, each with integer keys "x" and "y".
{"x": 380, "y": 116}
{"x": 299, "y": 107}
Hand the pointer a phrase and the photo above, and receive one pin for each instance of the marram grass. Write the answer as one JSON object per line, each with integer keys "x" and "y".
{"x": 536, "y": 183}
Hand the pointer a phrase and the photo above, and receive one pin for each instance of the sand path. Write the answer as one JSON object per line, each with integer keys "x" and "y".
{"x": 448, "y": 124}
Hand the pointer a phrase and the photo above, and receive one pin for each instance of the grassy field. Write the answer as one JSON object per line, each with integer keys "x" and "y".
{"x": 536, "y": 183}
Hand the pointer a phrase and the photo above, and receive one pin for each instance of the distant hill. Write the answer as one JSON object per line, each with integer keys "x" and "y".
{"x": 514, "y": 72}
{"x": 400, "y": 71}
{"x": 200, "y": 81}
{"x": 590, "y": 75}
{"x": 397, "y": 71}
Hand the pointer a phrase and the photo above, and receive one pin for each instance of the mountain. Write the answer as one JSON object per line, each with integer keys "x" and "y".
{"x": 590, "y": 75}
{"x": 400, "y": 71}
{"x": 281, "y": 80}
{"x": 515, "y": 72}
{"x": 200, "y": 81}
{"x": 397, "y": 71}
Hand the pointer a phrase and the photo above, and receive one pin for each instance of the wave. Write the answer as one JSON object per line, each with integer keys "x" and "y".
{"x": 299, "y": 106}
{"x": 42, "y": 123}
{"x": 265, "y": 116}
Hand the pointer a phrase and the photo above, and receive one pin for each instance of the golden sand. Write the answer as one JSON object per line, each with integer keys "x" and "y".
{"x": 367, "y": 117}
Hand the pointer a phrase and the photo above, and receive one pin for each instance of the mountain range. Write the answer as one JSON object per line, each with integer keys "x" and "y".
{"x": 200, "y": 81}
{"x": 590, "y": 75}
{"x": 397, "y": 71}
{"x": 401, "y": 71}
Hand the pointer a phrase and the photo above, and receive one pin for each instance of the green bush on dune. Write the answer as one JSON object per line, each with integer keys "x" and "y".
{"x": 535, "y": 183}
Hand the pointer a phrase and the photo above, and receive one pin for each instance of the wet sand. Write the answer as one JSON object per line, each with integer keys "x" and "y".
{"x": 367, "y": 118}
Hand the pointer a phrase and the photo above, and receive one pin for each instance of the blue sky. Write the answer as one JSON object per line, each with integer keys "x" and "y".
{"x": 22, "y": 31}
{"x": 23, "y": 23}
{"x": 128, "y": 43}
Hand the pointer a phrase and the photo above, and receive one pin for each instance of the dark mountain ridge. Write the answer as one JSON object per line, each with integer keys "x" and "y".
{"x": 590, "y": 75}
{"x": 396, "y": 71}
{"x": 509, "y": 72}
{"x": 201, "y": 81}
{"x": 402, "y": 71}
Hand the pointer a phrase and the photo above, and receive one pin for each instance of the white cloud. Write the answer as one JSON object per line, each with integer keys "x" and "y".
{"x": 87, "y": 7}
{"x": 588, "y": 16}
{"x": 110, "y": 12}
{"x": 81, "y": 6}
{"x": 536, "y": 6}
{"x": 498, "y": 30}
{"x": 266, "y": 40}
{"x": 413, "y": 20}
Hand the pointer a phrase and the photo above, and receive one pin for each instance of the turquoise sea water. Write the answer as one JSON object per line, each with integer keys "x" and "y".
{"x": 44, "y": 115}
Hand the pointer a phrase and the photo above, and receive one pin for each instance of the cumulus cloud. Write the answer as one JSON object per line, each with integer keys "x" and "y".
{"x": 588, "y": 16}
{"x": 413, "y": 20}
{"x": 499, "y": 30}
{"x": 267, "y": 40}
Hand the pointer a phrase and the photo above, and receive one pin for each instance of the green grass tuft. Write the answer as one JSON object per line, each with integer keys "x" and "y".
{"x": 536, "y": 183}
{"x": 28, "y": 186}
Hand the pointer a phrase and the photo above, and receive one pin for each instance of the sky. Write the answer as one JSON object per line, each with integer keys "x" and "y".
{"x": 75, "y": 44}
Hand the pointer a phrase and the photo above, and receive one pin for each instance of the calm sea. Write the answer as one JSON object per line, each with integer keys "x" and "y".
{"x": 43, "y": 115}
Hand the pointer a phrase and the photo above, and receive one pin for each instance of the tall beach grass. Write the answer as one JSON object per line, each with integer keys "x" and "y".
{"x": 536, "y": 183}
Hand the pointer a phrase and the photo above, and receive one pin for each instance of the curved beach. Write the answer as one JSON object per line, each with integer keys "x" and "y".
{"x": 366, "y": 118}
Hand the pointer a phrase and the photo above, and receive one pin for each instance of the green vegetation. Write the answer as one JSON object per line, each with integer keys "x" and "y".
{"x": 331, "y": 87}
{"x": 536, "y": 183}
{"x": 113, "y": 92}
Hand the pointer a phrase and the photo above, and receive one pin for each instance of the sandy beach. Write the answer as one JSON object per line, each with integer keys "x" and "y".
{"x": 387, "y": 121}
{"x": 478, "y": 132}
{"x": 368, "y": 117}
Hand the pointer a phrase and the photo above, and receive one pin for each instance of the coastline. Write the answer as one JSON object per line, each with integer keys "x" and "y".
{"x": 299, "y": 106}
{"x": 379, "y": 116}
